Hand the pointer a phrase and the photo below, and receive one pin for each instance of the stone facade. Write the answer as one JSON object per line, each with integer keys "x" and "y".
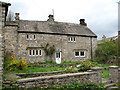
{"x": 3, "y": 13}
{"x": 26, "y": 39}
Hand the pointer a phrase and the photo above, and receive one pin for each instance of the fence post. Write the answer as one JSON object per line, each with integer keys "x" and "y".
{"x": 114, "y": 73}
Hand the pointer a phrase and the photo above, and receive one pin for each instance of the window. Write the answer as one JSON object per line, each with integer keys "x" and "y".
{"x": 79, "y": 53}
{"x": 82, "y": 53}
{"x": 31, "y": 37}
{"x": 35, "y": 52}
{"x": 72, "y": 39}
{"x": 40, "y": 52}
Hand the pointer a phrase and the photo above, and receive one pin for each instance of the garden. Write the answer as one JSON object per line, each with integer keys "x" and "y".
{"x": 18, "y": 69}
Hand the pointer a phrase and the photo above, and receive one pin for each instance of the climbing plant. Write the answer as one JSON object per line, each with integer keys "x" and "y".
{"x": 49, "y": 51}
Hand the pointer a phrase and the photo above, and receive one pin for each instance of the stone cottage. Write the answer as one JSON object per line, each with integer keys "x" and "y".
{"x": 26, "y": 38}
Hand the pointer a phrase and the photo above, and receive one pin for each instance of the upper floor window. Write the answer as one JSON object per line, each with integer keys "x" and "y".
{"x": 71, "y": 39}
{"x": 31, "y": 37}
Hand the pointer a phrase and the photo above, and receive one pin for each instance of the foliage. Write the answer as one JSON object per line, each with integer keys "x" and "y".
{"x": 105, "y": 74}
{"x": 49, "y": 50}
{"x": 85, "y": 65}
{"x": 71, "y": 69}
{"x": 11, "y": 63}
{"x": 106, "y": 50}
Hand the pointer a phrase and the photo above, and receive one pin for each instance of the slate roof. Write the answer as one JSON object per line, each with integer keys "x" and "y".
{"x": 54, "y": 27}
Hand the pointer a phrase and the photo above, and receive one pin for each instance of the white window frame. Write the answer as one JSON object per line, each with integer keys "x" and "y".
{"x": 75, "y": 54}
{"x": 30, "y": 37}
{"x": 80, "y": 53}
{"x": 40, "y": 54}
{"x": 34, "y": 37}
{"x": 72, "y": 39}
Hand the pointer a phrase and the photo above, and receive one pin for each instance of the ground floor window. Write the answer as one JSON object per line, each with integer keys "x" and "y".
{"x": 35, "y": 52}
{"x": 79, "y": 53}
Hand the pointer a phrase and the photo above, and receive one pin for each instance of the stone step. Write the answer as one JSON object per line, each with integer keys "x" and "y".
{"x": 109, "y": 85}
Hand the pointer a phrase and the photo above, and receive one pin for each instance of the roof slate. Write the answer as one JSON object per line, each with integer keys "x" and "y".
{"x": 53, "y": 27}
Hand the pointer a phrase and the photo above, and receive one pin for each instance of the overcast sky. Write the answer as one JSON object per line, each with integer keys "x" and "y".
{"x": 101, "y": 15}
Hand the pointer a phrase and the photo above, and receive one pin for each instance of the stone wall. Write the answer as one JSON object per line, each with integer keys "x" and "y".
{"x": 63, "y": 79}
{"x": 60, "y": 42}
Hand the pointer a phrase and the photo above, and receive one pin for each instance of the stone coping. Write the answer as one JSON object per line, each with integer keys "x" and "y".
{"x": 54, "y": 76}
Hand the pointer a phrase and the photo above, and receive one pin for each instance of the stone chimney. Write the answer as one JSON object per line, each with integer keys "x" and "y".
{"x": 82, "y": 22}
{"x": 17, "y": 16}
{"x": 50, "y": 18}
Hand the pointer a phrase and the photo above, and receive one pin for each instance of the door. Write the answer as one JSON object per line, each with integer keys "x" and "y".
{"x": 58, "y": 57}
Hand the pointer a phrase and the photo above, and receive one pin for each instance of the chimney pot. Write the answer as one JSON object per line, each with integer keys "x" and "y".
{"x": 51, "y": 18}
{"x": 82, "y": 22}
{"x": 17, "y": 16}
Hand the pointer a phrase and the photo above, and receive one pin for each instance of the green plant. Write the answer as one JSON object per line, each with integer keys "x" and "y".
{"x": 49, "y": 51}
{"x": 106, "y": 50}
{"x": 71, "y": 69}
{"x": 11, "y": 63}
{"x": 85, "y": 65}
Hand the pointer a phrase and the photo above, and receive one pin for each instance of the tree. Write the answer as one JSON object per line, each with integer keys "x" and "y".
{"x": 10, "y": 16}
{"x": 107, "y": 50}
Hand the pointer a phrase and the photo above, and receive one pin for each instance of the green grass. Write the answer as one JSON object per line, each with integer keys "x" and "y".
{"x": 105, "y": 74}
{"x": 37, "y": 69}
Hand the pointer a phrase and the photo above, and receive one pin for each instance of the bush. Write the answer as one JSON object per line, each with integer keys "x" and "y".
{"x": 85, "y": 65}
{"x": 71, "y": 69}
{"x": 106, "y": 50}
{"x": 11, "y": 63}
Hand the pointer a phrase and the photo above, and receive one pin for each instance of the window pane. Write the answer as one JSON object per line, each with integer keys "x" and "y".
{"x": 76, "y": 53}
{"x": 34, "y": 36}
{"x": 40, "y": 53}
{"x": 36, "y": 52}
{"x": 30, "y": 53}
{"x": 82, "y": 53}
{"x": 27, "y": 36}
{"x": 33, "y": 52}
{"x": 30, "y": 37}
{"x": 74, "y": 39}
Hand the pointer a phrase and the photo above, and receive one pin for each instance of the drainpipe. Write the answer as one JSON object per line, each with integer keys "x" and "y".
{"x": 91, "y": 48}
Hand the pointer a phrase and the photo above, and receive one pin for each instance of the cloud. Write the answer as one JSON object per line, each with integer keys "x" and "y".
{"x": 101, "y": 15}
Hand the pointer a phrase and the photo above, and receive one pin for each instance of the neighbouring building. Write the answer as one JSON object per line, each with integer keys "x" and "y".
{"x": 26, "y": 39}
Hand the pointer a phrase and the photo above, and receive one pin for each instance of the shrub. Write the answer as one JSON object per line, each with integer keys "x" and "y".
{"x": 71, "y": 69}
{"x": 106, "y": 50}
{"x": 85, "y": 65}
{"x": 11, "y": 63}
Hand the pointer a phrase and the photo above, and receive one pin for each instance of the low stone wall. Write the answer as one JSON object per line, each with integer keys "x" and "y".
{"x": 63, "y": 79}
{"x": 40, "y": 74}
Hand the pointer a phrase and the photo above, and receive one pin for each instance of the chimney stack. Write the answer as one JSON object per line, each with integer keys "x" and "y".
{"x": 17, "y": 16}
{"x": 51, "y": 18}
{"x": 82, "y": 22}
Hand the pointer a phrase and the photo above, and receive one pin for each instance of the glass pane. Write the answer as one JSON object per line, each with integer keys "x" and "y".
{"x": 82, "y": 53}
{"x": 76, "y": 53}
{"x": 33, "y": 52}
{"x": 36, "y": 52}
{"x": 40, "y": 52}
{"x": 30, "y": 53}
